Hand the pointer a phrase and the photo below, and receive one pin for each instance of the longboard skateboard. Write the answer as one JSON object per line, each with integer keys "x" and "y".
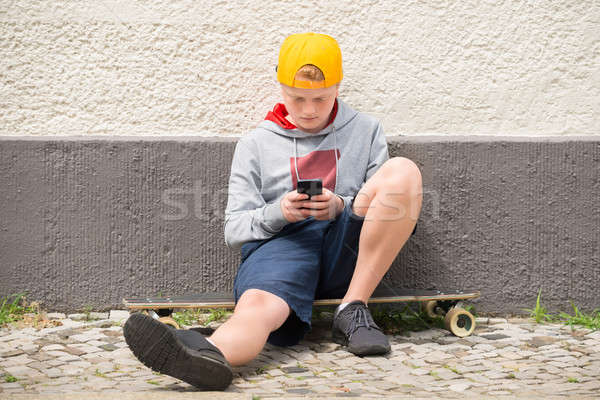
{"x": 447, "y": 304}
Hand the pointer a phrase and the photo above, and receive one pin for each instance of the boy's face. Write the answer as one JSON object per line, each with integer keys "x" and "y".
{"x": 309, "y": 109}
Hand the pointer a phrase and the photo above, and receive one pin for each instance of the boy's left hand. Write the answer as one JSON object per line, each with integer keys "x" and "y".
{"x": 323, "y": 206}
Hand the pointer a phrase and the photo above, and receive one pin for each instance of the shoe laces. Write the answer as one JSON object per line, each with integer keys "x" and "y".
{"x": 360, "y": 317}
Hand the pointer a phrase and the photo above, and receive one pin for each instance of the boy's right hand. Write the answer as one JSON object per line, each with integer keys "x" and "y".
{"x": 290, "y": 205}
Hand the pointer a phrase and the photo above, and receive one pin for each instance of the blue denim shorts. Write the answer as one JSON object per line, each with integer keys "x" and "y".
{"x": 306, "y": 260}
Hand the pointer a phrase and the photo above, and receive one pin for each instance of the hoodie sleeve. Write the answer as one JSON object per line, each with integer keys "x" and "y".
{"x": 378, "y": 153}
{"x": 247, "y": 216}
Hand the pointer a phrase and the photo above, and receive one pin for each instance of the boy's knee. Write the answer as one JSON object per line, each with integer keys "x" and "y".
{"x": 272, "y": 309}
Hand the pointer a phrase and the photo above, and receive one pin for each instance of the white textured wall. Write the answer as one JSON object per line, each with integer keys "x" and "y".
{"x": 207, "y": 67}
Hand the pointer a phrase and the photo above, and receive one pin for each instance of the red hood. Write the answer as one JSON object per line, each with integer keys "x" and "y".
{"x": 279, "y": 113}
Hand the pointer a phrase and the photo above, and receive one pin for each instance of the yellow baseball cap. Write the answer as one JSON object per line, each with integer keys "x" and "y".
{"x": 318, "y": 49}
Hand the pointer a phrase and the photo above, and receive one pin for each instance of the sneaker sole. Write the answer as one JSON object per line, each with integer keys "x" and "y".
{"x": 157, "y": 347}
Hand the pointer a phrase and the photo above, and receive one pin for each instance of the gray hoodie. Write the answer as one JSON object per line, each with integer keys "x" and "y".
{"x": 267, "y": 161}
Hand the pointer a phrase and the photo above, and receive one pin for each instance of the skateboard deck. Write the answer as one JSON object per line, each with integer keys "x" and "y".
{"x": 444, "y": 303}
{"x": 225, "y": 300}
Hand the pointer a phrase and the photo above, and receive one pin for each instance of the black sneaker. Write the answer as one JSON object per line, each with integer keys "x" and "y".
{"x": 354, "y": 327}
{"x": 182, "y": 354}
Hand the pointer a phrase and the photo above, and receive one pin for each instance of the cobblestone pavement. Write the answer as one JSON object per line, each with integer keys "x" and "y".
{"x": 514, "y": 358}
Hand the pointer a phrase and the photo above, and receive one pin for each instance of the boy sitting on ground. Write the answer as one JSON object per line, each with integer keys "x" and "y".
{"x": 338, "y": 244}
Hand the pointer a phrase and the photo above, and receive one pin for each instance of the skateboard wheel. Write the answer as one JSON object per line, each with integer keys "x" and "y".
{"x": 169, "y": 322}
{"x": 429, "y": 308}
{"x": 460, "y": 322}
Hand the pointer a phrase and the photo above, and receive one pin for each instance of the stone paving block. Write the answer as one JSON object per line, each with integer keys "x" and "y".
{"x": 491, "y": 355}
{"x": 496, "y": 375}
{"x": 84, "y": 348}
{"x": 473, "y": 357}
{"x": 80, "y": 364}
{"x": 508, "y": 347}
{"x": 415, "y": 363}
{"x": 428, "y": 334}
{"x": 462, "y": 369}
{"x": 377, "y": 363}
{"x": 53, "y": 372}
{"x": 419, "y": 356}
{"x": 459, "y": 387}
{"x": 15, "y": 361}
{"x": 11, "y": 385}
{"x": 499, "y": 393}
{"x": 471, "y": 340}
{"x": 98, "y": 315}
{"x": 56, "y": 316}
{"x": 128, "y": 362}
{"x": 445, "y": 374}
{"x": 590, "y": 372}
{"x": 68, "y": 358}
{"x": 419, "y": 371}
{"x": 484, "y": 347}
{"x": 275, "y": 372}
{"x": 30, "y": 348}
{"x": 88, "y": 337}
{"x": 40, "y": 366}
{"x": 510, "y": 355}
{"x": 77, "y": 316}
{"x": 54, "y": 363}
{"x": 437, "y": 357}
{"x": 69, "y": 323}
{"x": 453, "y": 347}
{"x": 11, "y": 353}
{"x": 593, "y": 335}
{"x": 592, "y": 385}
{"x": 108, "y": 347}
{"x": 326, "y": 356}
{"x": 22, "y": 371}
{"x": 476, "y": 377}
{"x": 13, "y": 336}
{"x": 70, "y": 371}
{"x": 57, "y": 353}
{"x": 95, "y": 343}
{"x": 329, "y": 347}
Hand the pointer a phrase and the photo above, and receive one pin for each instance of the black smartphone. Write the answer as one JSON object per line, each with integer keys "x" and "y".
{"x": 311, "y": 187}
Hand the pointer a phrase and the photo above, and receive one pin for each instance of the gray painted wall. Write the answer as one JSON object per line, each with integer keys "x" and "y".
{"x": 85, "y": 221}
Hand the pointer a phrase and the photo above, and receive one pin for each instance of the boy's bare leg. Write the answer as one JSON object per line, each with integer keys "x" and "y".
{"x": 391, "y": 202}
{"x": 242, "y": 337}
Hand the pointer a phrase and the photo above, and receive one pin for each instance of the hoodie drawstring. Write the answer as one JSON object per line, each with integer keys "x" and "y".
{"x": 296, "y": 161}
{"x": 334, "y": 155}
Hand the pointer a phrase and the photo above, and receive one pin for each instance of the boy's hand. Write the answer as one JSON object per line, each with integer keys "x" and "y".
{"x": 291, "y": 204}
{"x": 296, "y": 206}
{"x": 323, "y": 206}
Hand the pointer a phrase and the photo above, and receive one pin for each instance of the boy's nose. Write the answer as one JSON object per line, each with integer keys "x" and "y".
{"x": 310, "y": 109}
